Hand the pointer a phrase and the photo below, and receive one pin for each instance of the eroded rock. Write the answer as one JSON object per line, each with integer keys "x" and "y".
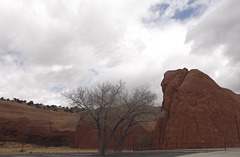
{"x": 28, "y": 124}
{"x": 200, "y": 114}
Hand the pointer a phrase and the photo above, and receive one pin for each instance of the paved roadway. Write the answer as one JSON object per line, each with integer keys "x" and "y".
{"x": 124, "y": 154}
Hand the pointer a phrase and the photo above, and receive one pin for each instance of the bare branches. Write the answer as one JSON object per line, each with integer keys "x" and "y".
{"x": 111, "y": 106}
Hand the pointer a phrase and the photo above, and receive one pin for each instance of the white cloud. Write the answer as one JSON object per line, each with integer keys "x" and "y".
{"x": 46, "y": 46}
{"x": 58, "y": 42}
{"x": 217, "y": 32}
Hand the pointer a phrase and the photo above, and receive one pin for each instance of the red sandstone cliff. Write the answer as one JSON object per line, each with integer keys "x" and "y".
{"x": 28, "y": 124}
{"x": 200, "y": 114}
{"x": 87, "y": 138}
{"x": 22, "y": 123}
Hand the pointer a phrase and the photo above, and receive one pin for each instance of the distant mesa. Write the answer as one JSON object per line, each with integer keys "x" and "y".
{"x": 36, "y": 123}
{"x": 200, "y": 114}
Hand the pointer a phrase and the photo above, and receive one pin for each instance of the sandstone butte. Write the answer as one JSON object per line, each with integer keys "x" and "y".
{"x": 200, "y": 114}
{"x": 28, "y": 124}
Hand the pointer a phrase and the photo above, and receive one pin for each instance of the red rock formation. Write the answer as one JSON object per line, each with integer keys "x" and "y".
{"x": 200, "y": 114}
{"x": 87, "y": 138}
{"x": 28, "y": 124}
{"x": 22, "y": 123}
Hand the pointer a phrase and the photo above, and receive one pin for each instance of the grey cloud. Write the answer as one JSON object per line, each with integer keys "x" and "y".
{"x": 219, "y": 29}
{"x": 56, "y": 42}
{"x": 48, "y": 36}
{"x": 228, "y": 77}
{"x": 63, "y": 44}
{"x": 217, "y": 34}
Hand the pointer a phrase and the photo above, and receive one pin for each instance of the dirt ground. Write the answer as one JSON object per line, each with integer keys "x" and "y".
{"x": 16, "y": 148}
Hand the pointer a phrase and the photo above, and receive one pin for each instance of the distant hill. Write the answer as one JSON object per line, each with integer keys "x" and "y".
{"x": 46, "y": 107}
{"x": 26, "y": 122}
{"x": 38, "y": 124}
{"x": 200, "y": 113}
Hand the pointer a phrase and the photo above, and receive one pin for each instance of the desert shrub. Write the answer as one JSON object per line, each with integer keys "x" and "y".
{"x": 30, "y": 103}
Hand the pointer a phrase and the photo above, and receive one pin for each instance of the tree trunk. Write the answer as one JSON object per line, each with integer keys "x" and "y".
{"x": 100, "y": 142}
{"x": 100, "y": 146}
{"x": 103, "y": 150}
{"x": 120, "y": 148}
{"x": 122, "y": 139}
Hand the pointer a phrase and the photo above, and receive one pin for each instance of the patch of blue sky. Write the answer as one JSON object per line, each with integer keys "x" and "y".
{"x": 57, "y": 89}
{"x": 191, "y": 2}
{"x": 187, "y": 13}
{"x": 157, "y": 11}
{"x": 159, "y": 8}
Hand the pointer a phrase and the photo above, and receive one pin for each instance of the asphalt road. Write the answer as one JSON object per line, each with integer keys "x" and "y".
{"x": 124, "y": 154}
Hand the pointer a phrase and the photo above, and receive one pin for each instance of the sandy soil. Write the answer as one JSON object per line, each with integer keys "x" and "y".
{"x": 15, "y": 148}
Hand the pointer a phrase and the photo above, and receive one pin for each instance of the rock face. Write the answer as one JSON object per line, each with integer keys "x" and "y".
{"x": 22, "y": 123}
{"x": 200, "y": 114}
{"x": 28, "y": 124}
{"x": 87, "y": 138}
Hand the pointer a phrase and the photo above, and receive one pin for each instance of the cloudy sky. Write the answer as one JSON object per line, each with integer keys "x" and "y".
{"x": 54, "y": 45}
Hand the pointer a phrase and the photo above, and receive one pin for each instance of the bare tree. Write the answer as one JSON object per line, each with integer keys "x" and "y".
{"x": 108, "y": 107}
{"x": 139, "y": 108}
{"x": 132, "y": 123}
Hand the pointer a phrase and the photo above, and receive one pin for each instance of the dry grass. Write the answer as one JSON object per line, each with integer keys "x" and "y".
{"x": 16, "y": 148}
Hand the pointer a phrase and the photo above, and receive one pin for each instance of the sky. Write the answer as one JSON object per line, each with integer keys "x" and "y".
{"x": 47, "y": 47}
